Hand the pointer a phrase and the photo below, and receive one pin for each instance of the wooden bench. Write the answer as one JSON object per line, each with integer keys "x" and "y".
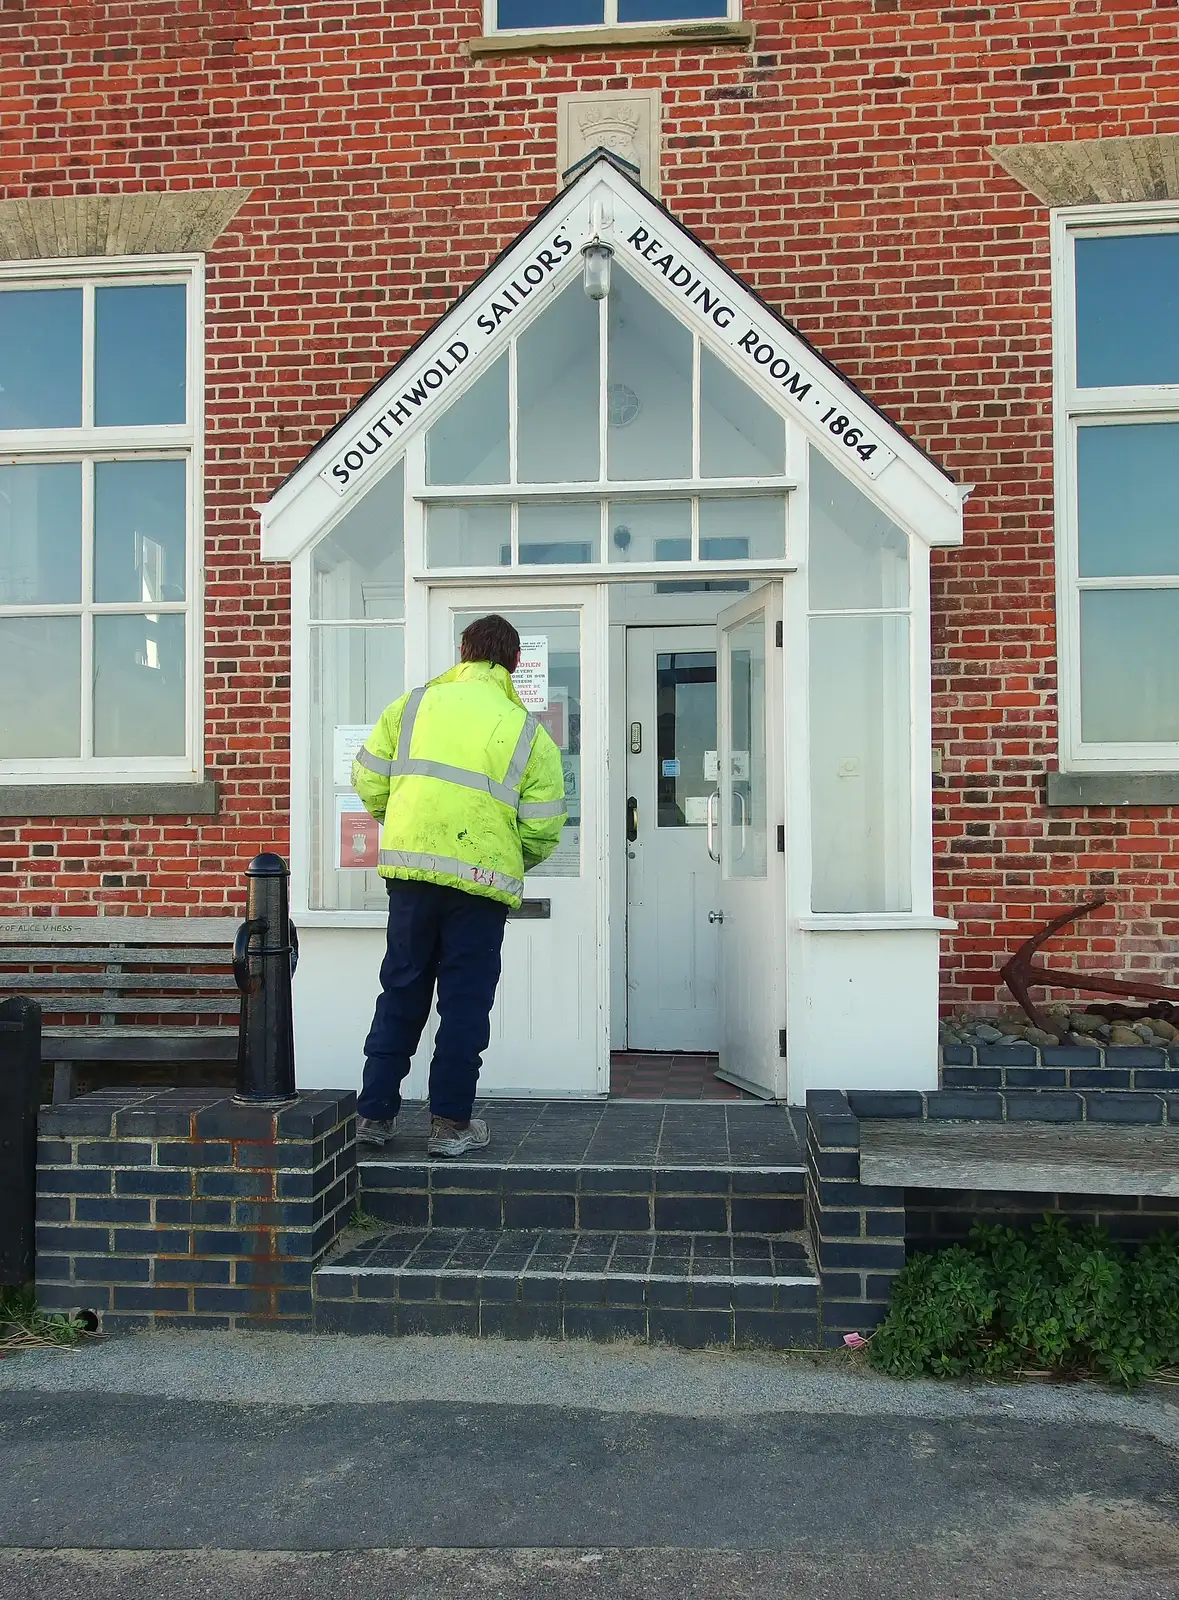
{"x": 1021, "y": 1157}
{"x": 119, "y": 989}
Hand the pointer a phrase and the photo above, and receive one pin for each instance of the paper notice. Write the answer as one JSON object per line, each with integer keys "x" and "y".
{"x": 531, "y": 677}
{"x": 358, "y": 836}
{"x": 347, "y": 739}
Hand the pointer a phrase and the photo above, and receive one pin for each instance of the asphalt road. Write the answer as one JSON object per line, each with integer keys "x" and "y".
{"x": 177, "y": 1467}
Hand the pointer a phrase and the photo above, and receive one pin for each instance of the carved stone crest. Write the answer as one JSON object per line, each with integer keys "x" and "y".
{"x": 624, "y": 121}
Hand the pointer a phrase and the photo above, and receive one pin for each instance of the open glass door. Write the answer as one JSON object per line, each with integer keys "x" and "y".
{"x": 548, "y": 1029}
{"x": 749, "y": 806}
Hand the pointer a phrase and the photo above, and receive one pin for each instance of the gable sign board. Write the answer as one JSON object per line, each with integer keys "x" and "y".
{"x": 661, "y": 254}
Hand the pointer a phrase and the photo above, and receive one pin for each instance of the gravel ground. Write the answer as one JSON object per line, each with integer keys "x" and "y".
{"x": 297, "y": 1369}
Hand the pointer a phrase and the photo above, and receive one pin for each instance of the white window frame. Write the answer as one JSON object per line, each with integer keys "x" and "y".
{"x": 1074, "y": 407}
{"x": 89, "y": 444}
{"x": 609, "y": 20}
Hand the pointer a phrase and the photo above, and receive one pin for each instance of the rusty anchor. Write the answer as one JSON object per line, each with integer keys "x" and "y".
{"x": 1021, "y": 972}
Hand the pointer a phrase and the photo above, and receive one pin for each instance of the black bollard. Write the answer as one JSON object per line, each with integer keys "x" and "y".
{"x": 265, "y": 954}
{"x": 20, "y": 1097}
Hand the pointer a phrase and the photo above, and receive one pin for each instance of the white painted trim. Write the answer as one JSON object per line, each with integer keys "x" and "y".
{"x": 874, "y": 922}
{"x": 904, "y": 482}
{"x": 646, "y": 489}
{"x": 94, "y": 444}
{"x": 1096, "y": 407}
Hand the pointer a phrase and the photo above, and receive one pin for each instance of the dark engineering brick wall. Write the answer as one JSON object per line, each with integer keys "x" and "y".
{"x": 842, "y": 166}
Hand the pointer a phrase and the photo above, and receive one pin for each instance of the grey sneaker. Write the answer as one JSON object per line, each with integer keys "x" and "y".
{"x": 374, "y": 1130}
{"x": 452, "y": 1139}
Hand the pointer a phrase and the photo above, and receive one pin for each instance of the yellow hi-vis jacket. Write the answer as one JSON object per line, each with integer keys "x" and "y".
{"x": 467, "y": 783}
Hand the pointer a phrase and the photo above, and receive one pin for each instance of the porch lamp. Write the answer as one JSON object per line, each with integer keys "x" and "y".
{"x": 595, "y": 269}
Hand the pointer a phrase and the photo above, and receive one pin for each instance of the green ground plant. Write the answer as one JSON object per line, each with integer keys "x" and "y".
{"x": 1055, "y": 1299}
{"x": 23, "y": 1325}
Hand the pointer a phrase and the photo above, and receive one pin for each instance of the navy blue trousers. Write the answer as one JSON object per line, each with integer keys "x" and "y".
{"x": 449, "y": 939}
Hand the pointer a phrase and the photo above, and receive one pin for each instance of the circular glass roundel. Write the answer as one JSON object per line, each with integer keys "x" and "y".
{"x": 622, "y": 405}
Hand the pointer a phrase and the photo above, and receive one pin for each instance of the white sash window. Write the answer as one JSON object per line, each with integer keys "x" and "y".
{"x": 507, "y": 16}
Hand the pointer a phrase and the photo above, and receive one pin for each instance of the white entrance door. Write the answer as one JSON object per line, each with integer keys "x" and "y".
{"x": 671, "y": 881}
{"x": 749, "y": 809}
{"x": 548, "y": 1029}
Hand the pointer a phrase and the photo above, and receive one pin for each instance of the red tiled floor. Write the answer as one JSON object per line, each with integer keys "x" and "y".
{"x": 669, "y": 1075}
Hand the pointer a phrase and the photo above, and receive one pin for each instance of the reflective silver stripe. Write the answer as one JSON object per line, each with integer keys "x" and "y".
{"x": 416, "y": 768}
{"x": 529, "y": 809}
{"x": 365, "y": 758}
{"x": 518, "y": 765}
{"x": 418, "y": 860}
{"x": 405, "y": 732}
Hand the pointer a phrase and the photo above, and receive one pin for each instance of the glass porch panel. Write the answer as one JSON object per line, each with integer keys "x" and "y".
{"x": 40, "y": 358}
{"x": 355, "y": 674}
{"x": 649, "y": 387}
{"x": 549, "y": 684}
{"x": 140, "y": 354}
{"x": 140, "y": 520}
{"x": 358, "y": 570}
{"x": 745, "y": 846}
{"x": 1127, "y": 309}
{"x": 558, "y": 386}
{"x": 469, "y": 442}
{"x": 685, "y": 737}
{"x": 860, "y": 764}
{"x": 139, "y": 685}
{"x": 858, "y": 558}
{"x": 468, "y": 535}
{"x": 1129, "y": 666}
{"x": 41, "y": 534}
{"x": 40, "y": 687}
{"x": 740, "y": 435}
{"x": 1128, "y": 500}
{"x": 743, "y": 530}
{"x": 556, "y": 535}
{"x": 642, "y": 531}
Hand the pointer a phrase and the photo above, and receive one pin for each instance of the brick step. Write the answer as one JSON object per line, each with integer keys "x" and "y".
{"x": 588, "y": 1197}
{"x": 687, "y": 1289}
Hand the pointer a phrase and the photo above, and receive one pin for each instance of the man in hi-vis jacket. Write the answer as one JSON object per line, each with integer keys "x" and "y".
{"x": 469, "y": 790}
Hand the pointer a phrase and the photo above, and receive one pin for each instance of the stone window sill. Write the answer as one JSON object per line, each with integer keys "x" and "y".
{"x": 543, "y": 40}
{"x": 1112, "y": 789}
{"x": 147, "y": 799}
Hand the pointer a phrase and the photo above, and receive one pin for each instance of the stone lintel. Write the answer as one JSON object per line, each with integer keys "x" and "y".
{"x": 149, "y": 222}
{"x": 1088, "y": 172}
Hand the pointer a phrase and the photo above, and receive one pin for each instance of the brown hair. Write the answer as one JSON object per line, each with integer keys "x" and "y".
{"x": 492, "y": 639}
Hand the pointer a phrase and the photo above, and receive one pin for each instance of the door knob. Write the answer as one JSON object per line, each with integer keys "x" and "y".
{"x": 632, "y": 820}
{"x": 716, "y": 916}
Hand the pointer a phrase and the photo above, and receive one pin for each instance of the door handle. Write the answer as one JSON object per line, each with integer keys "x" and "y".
{"x": 716, "y": 916}
{"x": 632, "y": 819}
{"x": 740, "y": 798}
{"x": 710, "y": 825}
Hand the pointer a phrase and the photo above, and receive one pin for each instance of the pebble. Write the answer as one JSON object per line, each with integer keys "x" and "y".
{"x": 1121, "y": 1034}
{"x": 1084, "y": 1022}
{"x": 990, "y": 1035}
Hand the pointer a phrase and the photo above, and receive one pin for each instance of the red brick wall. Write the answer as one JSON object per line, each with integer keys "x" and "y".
{"x": 842, "y": 167}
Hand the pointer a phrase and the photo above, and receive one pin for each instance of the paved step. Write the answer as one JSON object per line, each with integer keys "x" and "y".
{"x": 598, "y": 1167}
{"x": 688, "y": 1289}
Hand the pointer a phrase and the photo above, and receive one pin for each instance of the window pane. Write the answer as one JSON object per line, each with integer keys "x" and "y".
{"x": 139, "y": 685}
{"x": 550, "y": 534}
{"x": 642, "y": 531}
{"x": 1127, "y": 309}
{"x": 548, "y": 13}
{"x": 859, "y": 745}
{"x": 140, "y": 354}
{"x": 355, "y": 673}
{"x": 557, "y": 383}
{"x": 742, "y": 530}
{"x": 858, "y": 558}
{"x": 685, "y": 726}
{"x": 740, "y": 435}
{"x": 41, "y": 534}
{"x": 139, "y": 522}
{"x": 1129, "y": 665}
{"x": 41, "y": 358}
{"x": 358, "y": 570}
{"x": 1128, "y": 499}
{"x": 40, "y": 687}
{"x": 469, "y": 442}
{"x": 552, "y": 637}
{"x": 649, "y": 395}
{"x": 669, "y": 10}
{"x": 468, "y": 536}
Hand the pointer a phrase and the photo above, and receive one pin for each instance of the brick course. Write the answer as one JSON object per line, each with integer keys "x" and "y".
{"x": 842, "y": 166}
